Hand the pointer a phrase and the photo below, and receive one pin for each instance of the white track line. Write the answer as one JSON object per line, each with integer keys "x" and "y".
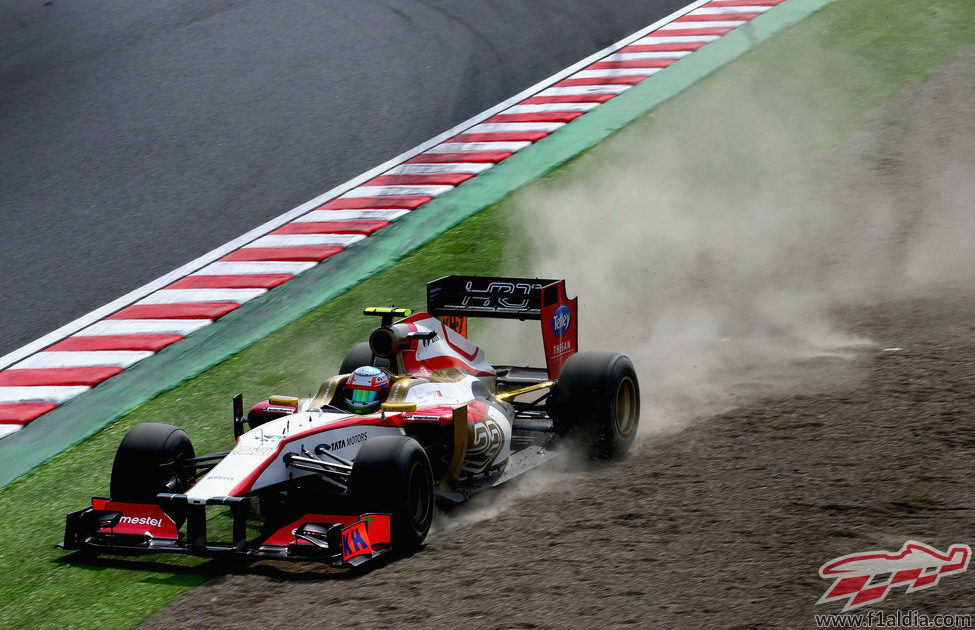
{"x": 508, "y": 127}
{"x": 56, "y": 394}
{"x": 367, "y": 214}
{"x": 397, "y": 191}
{"x": 444, "y": 167}
{"x": 253, "y": 268}
{"x": 584, "y": 89}
{"x": 183, "y": 271}
{"x": 144, "y": 327}
{"x": 716, "y": 24}
{"x": 477, "y": 147}
{"x": 676, "y": 39}
{"x": 379, "y": 214}
{"x": 84, "y": 358}
{"x": 617, "y": 72}
{"x": 538, "y": 108}
{"x": 306, "y": 240}
{"x": 182, "y": 296}
{"x": 648, "y": 55}
{"x": 729, "y": 10}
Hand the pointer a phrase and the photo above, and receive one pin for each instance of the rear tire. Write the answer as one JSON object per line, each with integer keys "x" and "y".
{"x": 361, "y": 354}
{"x": 392, "y": 474}
{"x": 148, "y": 462}
{"x": 596, "y": 402}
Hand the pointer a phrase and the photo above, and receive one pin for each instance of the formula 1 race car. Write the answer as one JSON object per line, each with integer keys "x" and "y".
{"x": 416, "y": 416}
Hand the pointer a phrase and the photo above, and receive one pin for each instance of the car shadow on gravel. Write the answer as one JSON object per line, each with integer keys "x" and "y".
{"x": 272, "y": 569}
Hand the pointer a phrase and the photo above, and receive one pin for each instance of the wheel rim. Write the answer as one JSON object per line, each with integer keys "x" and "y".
{"x": 625, "y": 406}
{"x": 418, "y": 491}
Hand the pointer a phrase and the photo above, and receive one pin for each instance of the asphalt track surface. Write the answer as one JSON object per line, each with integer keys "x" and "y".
{"x": 135, "y": 137}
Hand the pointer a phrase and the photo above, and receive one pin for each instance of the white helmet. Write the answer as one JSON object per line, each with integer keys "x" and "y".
{"x": 366, "y": 389}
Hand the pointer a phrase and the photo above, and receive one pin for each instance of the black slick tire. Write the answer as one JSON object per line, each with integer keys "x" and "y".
{"x": 361, "y": 354}
{"x": 596, "y": 403}
{"x": 147, "y": 462}
{"x": 392, "y": 475}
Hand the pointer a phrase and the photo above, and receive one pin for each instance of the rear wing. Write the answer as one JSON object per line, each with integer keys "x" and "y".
{"x": 455, "y": 298}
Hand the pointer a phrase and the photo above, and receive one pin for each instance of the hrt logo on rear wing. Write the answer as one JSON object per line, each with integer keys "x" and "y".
{"x": 455, "y": 298}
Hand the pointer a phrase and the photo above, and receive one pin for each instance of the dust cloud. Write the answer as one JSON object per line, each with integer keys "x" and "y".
{"x": 718, "y": 276}
{"x": 720, "y": 261}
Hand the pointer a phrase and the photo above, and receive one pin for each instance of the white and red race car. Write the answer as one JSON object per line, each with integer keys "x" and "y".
{"x": 342, "y": 487}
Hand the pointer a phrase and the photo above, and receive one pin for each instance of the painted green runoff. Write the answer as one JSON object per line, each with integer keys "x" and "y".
{"x": 84, "y": 415}
{"x": 41, "y": 591}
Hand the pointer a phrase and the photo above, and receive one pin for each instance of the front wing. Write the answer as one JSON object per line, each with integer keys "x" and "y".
{"x": 115, "y": 527}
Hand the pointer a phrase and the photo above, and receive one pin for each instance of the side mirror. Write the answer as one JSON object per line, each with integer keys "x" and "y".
{"x": 238, "y": 415}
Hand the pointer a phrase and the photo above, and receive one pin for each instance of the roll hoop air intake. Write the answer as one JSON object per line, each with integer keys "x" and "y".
{"x": 387, "y": 341}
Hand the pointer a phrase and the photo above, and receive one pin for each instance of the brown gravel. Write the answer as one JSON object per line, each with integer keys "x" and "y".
{"x": 725, "y": 522}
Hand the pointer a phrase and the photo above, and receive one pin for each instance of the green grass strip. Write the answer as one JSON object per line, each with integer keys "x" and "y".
{"x": 39, "y": 590}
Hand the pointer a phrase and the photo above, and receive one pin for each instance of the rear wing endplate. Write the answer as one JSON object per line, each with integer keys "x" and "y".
{"x": 455, "y": 298}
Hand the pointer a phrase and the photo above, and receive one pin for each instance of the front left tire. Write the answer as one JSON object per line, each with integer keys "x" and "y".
{"x": 392, "y": 474}
{"x": 150, "y": 460}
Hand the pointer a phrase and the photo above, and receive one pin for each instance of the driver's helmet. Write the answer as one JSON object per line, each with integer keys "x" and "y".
{"x": 366, "y": 389}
